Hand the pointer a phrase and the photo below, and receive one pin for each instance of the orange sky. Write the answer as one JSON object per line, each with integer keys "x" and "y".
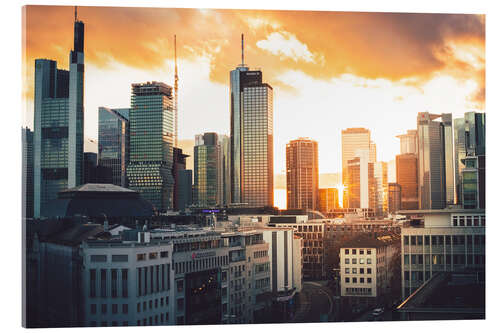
{"x": 329, "y": 70}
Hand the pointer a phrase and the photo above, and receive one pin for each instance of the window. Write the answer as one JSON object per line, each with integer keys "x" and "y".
{"x": 368, "y": 280}
{"x": 369, "y": 252}
{"x": 92, "y": 283}
{"x": 141, "y": 256}
{"x": 114, "y": 308}
{"x": 354, "y": 261}
{"x": 125, "y": 282}
{"x": 361, "y": 271}
{"x": 368, "y": 261}
{"x": 103, "y": 283}
{"x": 368, "y": 271}
{"x": 406, "y": 240}
{"x": 361, "y": 251}
{"x": 347, "y": 270}
{"x": 361, "y": 280}
{"x": 347, "y": 261}
{"x": 361, "y": 261}
{"x": 180, "y": 285}
{"x": 114, "y": 283}
{"x": 346, "y": 251}
{"x": 98, "y": 258}
{"x": 354, "y": 280}
{"x": 353, "y": 251}
{"x": 354, "y": 270}
{"x": 347, "y": 280}
{"x": 125, "y": 308}
{"x": 139, "y": 307}
{"x": 104, "y": 308}
{"x": 164, "y": 254}
{"x": 119, "y": 258}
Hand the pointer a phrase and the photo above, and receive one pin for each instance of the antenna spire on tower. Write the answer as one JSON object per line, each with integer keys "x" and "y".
{"x": 76, "y": 16}
{"x": 176, "y": 90}
{"x": 242, "y": 51}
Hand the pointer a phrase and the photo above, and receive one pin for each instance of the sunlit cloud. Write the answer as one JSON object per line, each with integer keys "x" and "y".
{"x": 286, "y": 45}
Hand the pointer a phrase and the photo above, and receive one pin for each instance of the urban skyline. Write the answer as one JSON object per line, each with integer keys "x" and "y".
{"x": 297, "y": 76}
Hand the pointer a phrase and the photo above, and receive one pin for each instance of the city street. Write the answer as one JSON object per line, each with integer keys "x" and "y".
{"x": 315, "y": 303}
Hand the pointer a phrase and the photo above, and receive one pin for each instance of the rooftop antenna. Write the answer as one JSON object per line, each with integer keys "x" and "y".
{"x": 176, "y": 89}
{"x": 242, "y": 51}
{"x": 76, "y": 19}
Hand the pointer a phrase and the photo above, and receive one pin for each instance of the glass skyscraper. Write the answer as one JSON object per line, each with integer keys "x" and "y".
{"x": 58, "y": 124}
{"x": 436, "y": 179}
{"x": 113, "y": 138}
{"x": 27, "y": 165}
{"x": 225, "y": 143}
{"x": 207, "y": 173}
{"x": 252, "y": 178}
{"x": 151, "y": 143}
{"x": 302, "y": 176}
{"x": 470, "y": 136}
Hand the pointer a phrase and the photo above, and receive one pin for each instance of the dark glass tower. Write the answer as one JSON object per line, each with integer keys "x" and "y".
{"x": 114, "y": 142}
{"x": 27, "y": 165}
{"x": 180, "y": 190}
{"x": 151, "y": 143}
{"x": 58, "y": 125}
{"x": 207, "y": 164}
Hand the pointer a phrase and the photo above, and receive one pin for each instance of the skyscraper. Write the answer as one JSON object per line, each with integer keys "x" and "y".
{"x": 354, "y": 139}
{"x": 435, "y": 161}
{"x": 362, "y": 190}
{"x": 225, "y": 144}
{"x": 180, "y": 181}
{"x": 302, "y": 174}
{"x": 470, "y": 137}
{"x": 380, "y": 174}
{"x": 151, "y": 143}
{"x": 408, "y": 142}
{"x": 114, "y": 139}
{"x": 251, "y": 137}
{"x": 207, "y": 157}
{"x": 394, "y": 203}
{"x": 406, "y": 177}
{"x": 58, "y": 125}
{"x": 27, "y": 174}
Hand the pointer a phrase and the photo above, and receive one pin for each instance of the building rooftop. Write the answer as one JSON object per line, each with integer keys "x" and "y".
{"x": 453, "y": 210}
{"x": 368, "y": 241}
{"x": 98, "y": 188}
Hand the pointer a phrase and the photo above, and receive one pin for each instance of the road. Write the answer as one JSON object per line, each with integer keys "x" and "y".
{"x": 367, "y": 316}
{"x": 315, "y": 303}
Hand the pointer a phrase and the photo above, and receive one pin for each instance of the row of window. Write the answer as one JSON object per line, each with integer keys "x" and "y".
{"x": 444, "y": 240}
{"x": 354, "y": 270}
{"x": 163, "y": 301}
{"x": 355, "y": 251}
{"x": 355, "y": 280}
{"x": 362, "y": 261}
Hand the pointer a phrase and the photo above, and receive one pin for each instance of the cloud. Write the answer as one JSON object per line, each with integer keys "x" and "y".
{"x": 394, "y": 46}
{"x": 286, "y": 45}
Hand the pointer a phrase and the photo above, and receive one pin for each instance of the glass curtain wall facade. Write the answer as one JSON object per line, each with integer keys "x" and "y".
{"x": 151, "y": 143}
{"x": 469, "y": 141}
{"x": 206, "y": 170}
{"x": 435, "y": 161}
{"x": 406, "y": 176}
{"x": 302, "y": 174}
{"x": 27, "y": 165}
{"x": 380, "y": 174}
{"x": 328, "y": 199}
{"x": 113, "y": 138}
{"x": 58, "y": 124}
{"x": 225, "y": 143}
{"x": 257, "y": 143}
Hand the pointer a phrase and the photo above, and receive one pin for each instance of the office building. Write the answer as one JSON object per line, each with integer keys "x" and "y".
{"x": 380, "y": 175}
{"x": 470, "y": 135}
{"x": 225, "y": 144}
{"x": 94, "y": 173}
{"x": 251, "y": 138}
{"x": 151, "y": 143}
{"x": 27, "y": 172}
{"x": 436, "y": 178}
{"x": 302, "y": 174}
{"x": 406, "y": 177}
{"x": 58, "y": 123}
{"x": 394, "y": 198}
{"x": 408, "y": 142}
{"x": 354, "y": 139}
{"x": 180, "y": 185}
{"x": 362, "y": 190}
{"x": 184, "y": 189}
{"x": 448, "y": 240}
{"x": 328, "y": 199}
{"x": 368, "y": 267}
{"x": 113, "y": 140}
{"x": 207, "y": 164}
{"x": 280, "y": 254}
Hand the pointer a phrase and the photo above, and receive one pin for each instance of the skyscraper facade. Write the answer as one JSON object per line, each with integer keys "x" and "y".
{"x": 58, "y": 124}
{"x": 225, "y": 146}
{"x": 114, "y": 138}
{"x": 408, "y": 142}
{"x": 380, "y": 174}
{"x": 179, "y": 164}
{"x": 302, "y": 174}
{"x": 470, "y": 137}
{"x": 328, "y": 199}
{"x": 362, "y": 190}
{"x": 151, "y": 143}
{"x": 251, "y": 103}
{"x": 207, "y": 170}
{"x": 394, "y": 195}
{"x": 354, "y": 139}
{"x": 435, "y": 161}
{"x": 406, "y": 177}
{"x": 27, "y": 173}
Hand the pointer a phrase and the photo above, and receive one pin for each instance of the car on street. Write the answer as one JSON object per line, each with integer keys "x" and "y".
{"x": 377, "y": 312}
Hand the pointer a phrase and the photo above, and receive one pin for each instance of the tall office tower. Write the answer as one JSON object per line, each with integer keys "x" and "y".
{"x": 58, "y": 125}
{"x": 435, "y": 161}
{"x": 380, "y": 174}
{"x": 328, "y": 199}
{"x": 302, "y": 174}
{"x": 406, "y": 177}
{"x": 114, "y": 140}
{"x": 394, "y": 196}
{"x": 251, "y": 138}
{"x": 151, "y": 143}
{"x": 179, "y": 164}
{"x": 470, "y": 137}
{"x": 184, "y": 189}
{"x": 27, "y": 167}
{"x": 225, "y": 144}
{"x": 362, "y": 191}
{"x": 408, "y": 142}
{"x": 354, "y": 139}
{"x": 207, "y": 170}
